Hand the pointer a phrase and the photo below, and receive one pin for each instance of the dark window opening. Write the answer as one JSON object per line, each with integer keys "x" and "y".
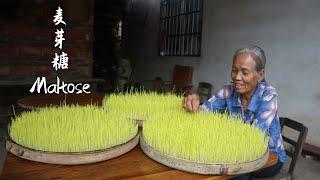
{"x": 180, "y": 27}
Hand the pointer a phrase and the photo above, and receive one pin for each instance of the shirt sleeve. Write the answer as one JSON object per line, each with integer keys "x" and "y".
{"x": 267, "y": 111}
{"x": 218, "y": 101}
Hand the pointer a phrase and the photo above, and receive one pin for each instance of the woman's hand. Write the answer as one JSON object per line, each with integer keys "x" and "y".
{"x": 191, "y": 103}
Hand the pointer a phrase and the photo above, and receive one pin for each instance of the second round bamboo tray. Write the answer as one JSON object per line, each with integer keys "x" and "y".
{"x": 71, "y": 158}
{"x": 202, "y": 168}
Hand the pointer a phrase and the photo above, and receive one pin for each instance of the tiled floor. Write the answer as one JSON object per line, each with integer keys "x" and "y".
{"x": 305, "y": 170}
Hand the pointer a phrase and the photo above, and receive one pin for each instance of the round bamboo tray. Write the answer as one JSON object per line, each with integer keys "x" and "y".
{"x": 202, "y": 168}
{"x": 71, "y": 158}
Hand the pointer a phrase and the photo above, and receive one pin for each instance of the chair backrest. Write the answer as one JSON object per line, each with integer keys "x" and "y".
{"x": 182, "y": 74}
{"x": 182, "y": 77}
{"x": 297, "y": 145}
{"x": 204, "y": 91}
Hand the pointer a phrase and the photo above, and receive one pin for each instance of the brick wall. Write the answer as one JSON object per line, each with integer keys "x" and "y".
{"x": 27, "y": 46}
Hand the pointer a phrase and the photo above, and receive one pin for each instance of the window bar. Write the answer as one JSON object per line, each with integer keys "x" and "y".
{"x": 161, "y": 25}
{"x": 171, "y": 37}
{"x": 167, "y": 36}
{"x": 173, "y": 29}
{"x": 190, "y": 23}
{"x": 182, "y": 37}
{"x": 192, "y": 5}
{"x": 198, "y": 5}
{"x": 189, "y": 31}
{"x": 189, "y": 35}
{"x": 170, "y": 28}
{"x": 185, "y": 30}
{"x": 163, "y": 9}
{"x": 194, "y": 44}
{"x": 166, "y": 28}
{"x": 175, "y": 39}
{"x": 196, "y": 21}
{"x": 198, "y": 45}
{"x": 169, "y": 8}
{"x": 189, "y": 45}
{"x": 177, "y": 28}
{"x": 180, "y": 28}
{"x": 186, "y": 40}
{"x": 200, "y": 24}
{"x": 193, "y": 30}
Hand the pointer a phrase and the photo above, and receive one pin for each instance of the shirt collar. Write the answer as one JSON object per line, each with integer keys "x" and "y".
{"x": 253, "y": 105}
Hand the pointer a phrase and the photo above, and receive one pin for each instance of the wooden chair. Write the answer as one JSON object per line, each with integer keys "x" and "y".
{"x": 204, "y": 91}
{"x": 296, "y": 145}
{"x": 295, "y": 148}
{"x": 181, "y": 80}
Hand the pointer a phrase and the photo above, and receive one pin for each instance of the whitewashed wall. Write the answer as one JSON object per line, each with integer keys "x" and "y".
{"x": 288, "y": 30}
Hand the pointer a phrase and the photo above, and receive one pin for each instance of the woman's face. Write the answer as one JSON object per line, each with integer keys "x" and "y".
{"x": 243, "y": 74}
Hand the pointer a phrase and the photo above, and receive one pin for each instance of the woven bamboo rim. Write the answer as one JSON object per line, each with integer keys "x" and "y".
{"x": 202, "y": 168}
{"x": 72, "y": 158}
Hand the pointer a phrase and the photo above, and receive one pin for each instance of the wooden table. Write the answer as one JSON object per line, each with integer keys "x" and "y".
{"x": 133, "y": 165}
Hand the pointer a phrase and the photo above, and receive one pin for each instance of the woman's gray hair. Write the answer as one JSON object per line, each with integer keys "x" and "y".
{"x": 256, "y": 53}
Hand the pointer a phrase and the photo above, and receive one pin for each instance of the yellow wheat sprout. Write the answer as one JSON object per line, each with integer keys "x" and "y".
{"x": 71, "y": 129}
{"x": 205, "y": 137}
{"x": 141, "y": 105}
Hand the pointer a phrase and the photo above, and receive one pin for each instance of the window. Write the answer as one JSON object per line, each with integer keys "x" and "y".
{"x": 180, "y": 27}
{"x": 118, "y": 33}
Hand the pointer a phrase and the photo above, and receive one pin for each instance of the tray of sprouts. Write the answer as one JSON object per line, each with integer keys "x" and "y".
{"x": 204, "y": 143}
{"x": 141, "y": 105}
{"x": 71, "y": 135}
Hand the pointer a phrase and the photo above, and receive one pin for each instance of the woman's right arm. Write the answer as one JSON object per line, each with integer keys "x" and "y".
{"x": 217, "y": 102}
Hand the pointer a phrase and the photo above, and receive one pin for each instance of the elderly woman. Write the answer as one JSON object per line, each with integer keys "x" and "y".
{"x": 250, "y": 97}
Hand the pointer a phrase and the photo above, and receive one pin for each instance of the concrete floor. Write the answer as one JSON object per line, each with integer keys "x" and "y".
{"x": 305, "y": 170}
